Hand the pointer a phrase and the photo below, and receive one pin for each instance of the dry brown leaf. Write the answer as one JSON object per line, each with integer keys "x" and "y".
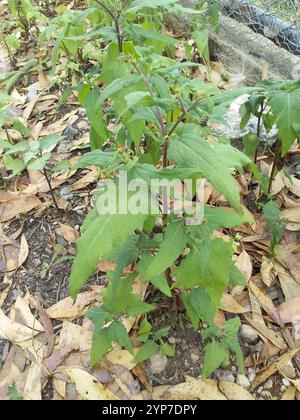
{"x": 45, "y": 319}
{"x": 121, "y": 358}
{"x": 206, "y": 390}
{"x": 244, "y": 264}
{"x": 289, "y": 286}
{"x": 290, "y": 260}
{"x": 289, "y": 394}
{"x": 235, "y": 392}
{"x": 60, "y": 387}
{"x": 293, "y": 186}
{"x": 70, "y": 234}
{"x": 272, "y": 368}
{"x": 12, "y": 253}
{"x": 88, "y": 387}
{"x": 25, "y": 315}
{"x": 33, "y": 385}
{"x": 13, "y": 331}
{"x": 266, "y": 332}
{"x": 229, "y": 304}
{"x": 86, "y": 180}
{"x": 267, "y": 271}
{"x": 265, "y": 302}
{"x": 289, "y": 311}
{"x": 5, "y": 288}
{"x": 67, "y": 309}
{"x": 13, "y": 204}
{"x": 293, "y": 217}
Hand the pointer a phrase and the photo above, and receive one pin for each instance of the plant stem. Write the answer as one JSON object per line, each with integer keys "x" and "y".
{"x": 45, "y": 173}
{"x": 115, "y": 18}
{"x": 275, "y": 160}
{"x": 258, "y": 131}
{"x": 182, "y": 116}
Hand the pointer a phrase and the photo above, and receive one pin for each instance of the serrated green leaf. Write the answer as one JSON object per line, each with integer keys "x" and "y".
{"x": 149, "y": 349}
{"x": 101, "y": 235}
{"x": 208, "y": 266}
{"x": 101, "y": 345}
{"x": 285, "y": 107}
{"x": 192, "y": 151}
{"x": 117, "y": 333}
{"x": 214, "y": 356}
{"x": 116, "y": 86}
{"x": 218, "y": 217}
{"x": 167, "y": 349}
{"x": 170, "y": 249}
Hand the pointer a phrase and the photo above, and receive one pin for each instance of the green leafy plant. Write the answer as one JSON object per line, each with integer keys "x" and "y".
{"x": 276, "y": 224}
{"x": 29, "y": 154}
{"x": 275, "y": 104}
{"x": 149, "y": 121}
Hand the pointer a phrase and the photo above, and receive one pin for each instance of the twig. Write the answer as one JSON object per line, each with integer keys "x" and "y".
{"x": 45, "y": 173}
{"x": 115, "y": 18}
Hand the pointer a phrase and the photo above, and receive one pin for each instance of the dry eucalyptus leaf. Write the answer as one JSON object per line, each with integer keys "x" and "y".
{"x": 289, "y": 311}
{"x": 267, "y": 271}
{"x": 88, "y": 387}
{"x": 13, "y": 204}
{"x": 70, "y": 235}
{"x": 206, "y": 390}
{"x": 272, "y": 368}
{"x": 13, "y": 254}
{"x": 235, "y": 392}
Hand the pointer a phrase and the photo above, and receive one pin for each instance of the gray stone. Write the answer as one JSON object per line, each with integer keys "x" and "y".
{"x": 268, "y": 384}
{"x": 158, "y": 363}
{"x": 70, "y": 132}
{"x": 243, "y": 381}
{"x": 227, "y": 377}
{"x": 172, "y": 340}
{"x": 248, "y": 334}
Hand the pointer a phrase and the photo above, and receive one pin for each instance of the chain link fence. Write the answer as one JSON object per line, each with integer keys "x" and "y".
{"x": 277, "y": 20}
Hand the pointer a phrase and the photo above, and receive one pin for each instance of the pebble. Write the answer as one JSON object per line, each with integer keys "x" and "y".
{"x": 70, "y": 132}
{"x": 31, "y": 95}
{"x": 194, "y": 357}
{"x": 286, "y": 382}
{"x": 227, "y": 377}
{"x": 243, "y": 381}
{"x": 269, "y": 384}
{"x": 158, "y": 363}
{"x": 172, "y": 340}
{"x": 248, "y": 334}
{"x": 251, "y": 375}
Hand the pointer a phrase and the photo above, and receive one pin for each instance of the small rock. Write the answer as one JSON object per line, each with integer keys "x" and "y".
{"x": 158, "y": 363}
{"x": 233, "y": 368}
{"x": 251, "y": 375}
{"x": 81, "y": 112}
{"x": 172, "y": 340}
{"x": 70, "y": 132}
{"x": 227, "y": 377}
{"x": 31, "y": 95}
{"x": 248, "y": 334}
{"x": 243, "y": 381}
{"x": 286, "y": 382}
{"x": 268, "y": 384}
{"x": 194, "y": 357}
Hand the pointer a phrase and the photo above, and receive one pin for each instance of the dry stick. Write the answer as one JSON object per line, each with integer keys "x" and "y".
{"x": 115, "y": 18}
{"x": 45, "y": 173}
{"x": 275, "y": 160}
{"x": 258, "y": 131}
